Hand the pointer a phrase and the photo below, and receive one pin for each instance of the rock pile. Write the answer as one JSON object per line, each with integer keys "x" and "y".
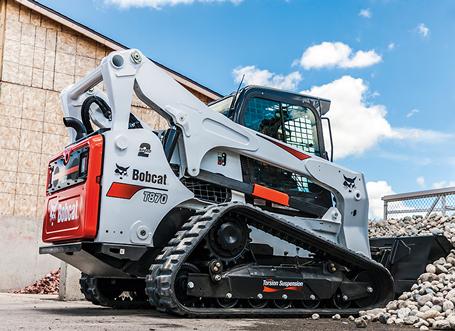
{"x": 430, "y": 302}
{"x": 412, "y": 226}
{"x": 46, "y": 285}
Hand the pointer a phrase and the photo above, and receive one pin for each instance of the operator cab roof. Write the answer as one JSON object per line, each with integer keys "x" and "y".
{"x": 321, "y": 104}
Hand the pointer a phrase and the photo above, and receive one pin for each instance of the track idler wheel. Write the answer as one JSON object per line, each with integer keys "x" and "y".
{"x": 370, "y": 290}
{"x": 181, "y": 284}
{"x": 228, "y": 240}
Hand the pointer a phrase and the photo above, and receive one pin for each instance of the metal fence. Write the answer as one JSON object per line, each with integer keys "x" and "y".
{"x": 420, "y": 203}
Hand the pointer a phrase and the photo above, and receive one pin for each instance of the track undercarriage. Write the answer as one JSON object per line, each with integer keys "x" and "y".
{"x": 211, "y": 268}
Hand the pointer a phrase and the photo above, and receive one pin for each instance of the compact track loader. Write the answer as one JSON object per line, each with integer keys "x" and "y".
{"x": 234, "y": 209}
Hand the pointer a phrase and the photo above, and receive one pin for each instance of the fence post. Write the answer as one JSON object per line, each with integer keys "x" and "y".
{"x": 444, "y": 205}
{"x": 385, "y": 210}
{"x": 433, "y": 205}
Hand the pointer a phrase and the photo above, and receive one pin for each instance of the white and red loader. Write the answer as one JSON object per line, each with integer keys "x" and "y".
{"x": 234, "y": 209}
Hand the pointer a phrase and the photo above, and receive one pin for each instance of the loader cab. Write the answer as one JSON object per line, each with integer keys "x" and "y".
{"x": 292, "y": 118}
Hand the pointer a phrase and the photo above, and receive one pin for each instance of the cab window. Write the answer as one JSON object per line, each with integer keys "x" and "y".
{"x": 222, "y": 106}
{"x": 295, "y": 125}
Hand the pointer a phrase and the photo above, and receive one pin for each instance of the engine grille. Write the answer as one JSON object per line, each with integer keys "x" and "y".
{"x": 206, "y": 191}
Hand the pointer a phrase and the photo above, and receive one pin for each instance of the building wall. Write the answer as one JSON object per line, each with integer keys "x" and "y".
{"x": 39, "y": 57}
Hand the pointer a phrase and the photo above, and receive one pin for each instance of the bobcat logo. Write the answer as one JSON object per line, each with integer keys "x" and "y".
{"x": 121, "y": 171}
{"x": 349, "y": 183}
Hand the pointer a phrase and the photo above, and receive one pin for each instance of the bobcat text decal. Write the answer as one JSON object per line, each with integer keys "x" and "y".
{"x": 148, "y": 177}
{"x": 142, "y": 176}
{"x": 64, "y": 212}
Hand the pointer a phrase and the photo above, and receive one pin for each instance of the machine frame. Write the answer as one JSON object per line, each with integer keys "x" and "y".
{"x": 126, "y": 72}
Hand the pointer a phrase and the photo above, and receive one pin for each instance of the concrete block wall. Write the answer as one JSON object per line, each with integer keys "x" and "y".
{"x": 38, "y": 58}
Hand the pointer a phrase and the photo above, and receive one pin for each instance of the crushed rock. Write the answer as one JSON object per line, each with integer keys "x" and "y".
{"x": 47, "y": 285}
{"x": 430, "y": 302}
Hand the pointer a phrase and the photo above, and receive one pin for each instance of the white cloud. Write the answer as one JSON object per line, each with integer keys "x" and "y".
{"x": 376, "y": 190}
{"x": 374, "y": 94}
{"x": 443, "y": 183}
{"x": 365, "y": 13}
{"x": 412, "y": 112}
{"x": 418, "y": 135}
{"x": 391, "y": 46}
{"x": 423, "y": 30}
{"x": 420, "y": 181}
{"x": 158, "y": 4}
{"x": 358, "y": 125}
{"x": 256, "y": 76}
{"x": 337, "y": 54}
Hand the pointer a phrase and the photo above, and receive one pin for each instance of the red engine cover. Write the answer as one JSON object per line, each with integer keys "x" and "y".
{"x": 73, "y": 192}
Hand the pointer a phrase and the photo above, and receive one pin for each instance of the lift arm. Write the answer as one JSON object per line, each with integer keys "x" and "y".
{"x": 129, "y": 71}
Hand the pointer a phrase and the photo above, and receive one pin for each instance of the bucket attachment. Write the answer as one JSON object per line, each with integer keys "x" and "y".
{"x": 407, "y": 257}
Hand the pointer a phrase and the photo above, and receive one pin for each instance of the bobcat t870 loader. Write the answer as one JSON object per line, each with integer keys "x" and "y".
{"x": 235, "y": 209}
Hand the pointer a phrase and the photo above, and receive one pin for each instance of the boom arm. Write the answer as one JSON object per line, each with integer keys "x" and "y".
{"x": 125, "y": 72}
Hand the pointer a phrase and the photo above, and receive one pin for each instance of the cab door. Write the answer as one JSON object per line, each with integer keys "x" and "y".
{"x": 293, "y": 121}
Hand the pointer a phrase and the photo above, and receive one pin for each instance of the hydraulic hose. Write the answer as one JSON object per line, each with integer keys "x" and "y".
{"x": 85, "y": 115}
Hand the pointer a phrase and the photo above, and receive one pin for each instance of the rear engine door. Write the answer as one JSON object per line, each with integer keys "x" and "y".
{"x": 73, "y": 192}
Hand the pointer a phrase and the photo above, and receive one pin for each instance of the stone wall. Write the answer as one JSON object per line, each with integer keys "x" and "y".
{"x": 39, "y": 58}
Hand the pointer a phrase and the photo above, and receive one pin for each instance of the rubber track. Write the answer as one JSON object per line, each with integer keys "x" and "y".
{"x": 90, "y": 291}
{"x": 88, "y": 288}
{"x": 159, "y": 282}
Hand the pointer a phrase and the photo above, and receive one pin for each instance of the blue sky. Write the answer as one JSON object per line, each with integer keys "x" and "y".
{"x": 387, "y": 65}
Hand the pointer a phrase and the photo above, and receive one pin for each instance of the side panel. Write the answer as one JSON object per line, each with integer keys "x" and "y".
{"x": 138, "y": 187}
{"x": 72, "y": 199}
{"x": 224, "y": 162}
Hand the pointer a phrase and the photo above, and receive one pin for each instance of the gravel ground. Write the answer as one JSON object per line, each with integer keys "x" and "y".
{"x": 45, "y": 312}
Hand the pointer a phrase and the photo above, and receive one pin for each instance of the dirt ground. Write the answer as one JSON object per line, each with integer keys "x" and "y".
{"x": 45, "y": 312}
